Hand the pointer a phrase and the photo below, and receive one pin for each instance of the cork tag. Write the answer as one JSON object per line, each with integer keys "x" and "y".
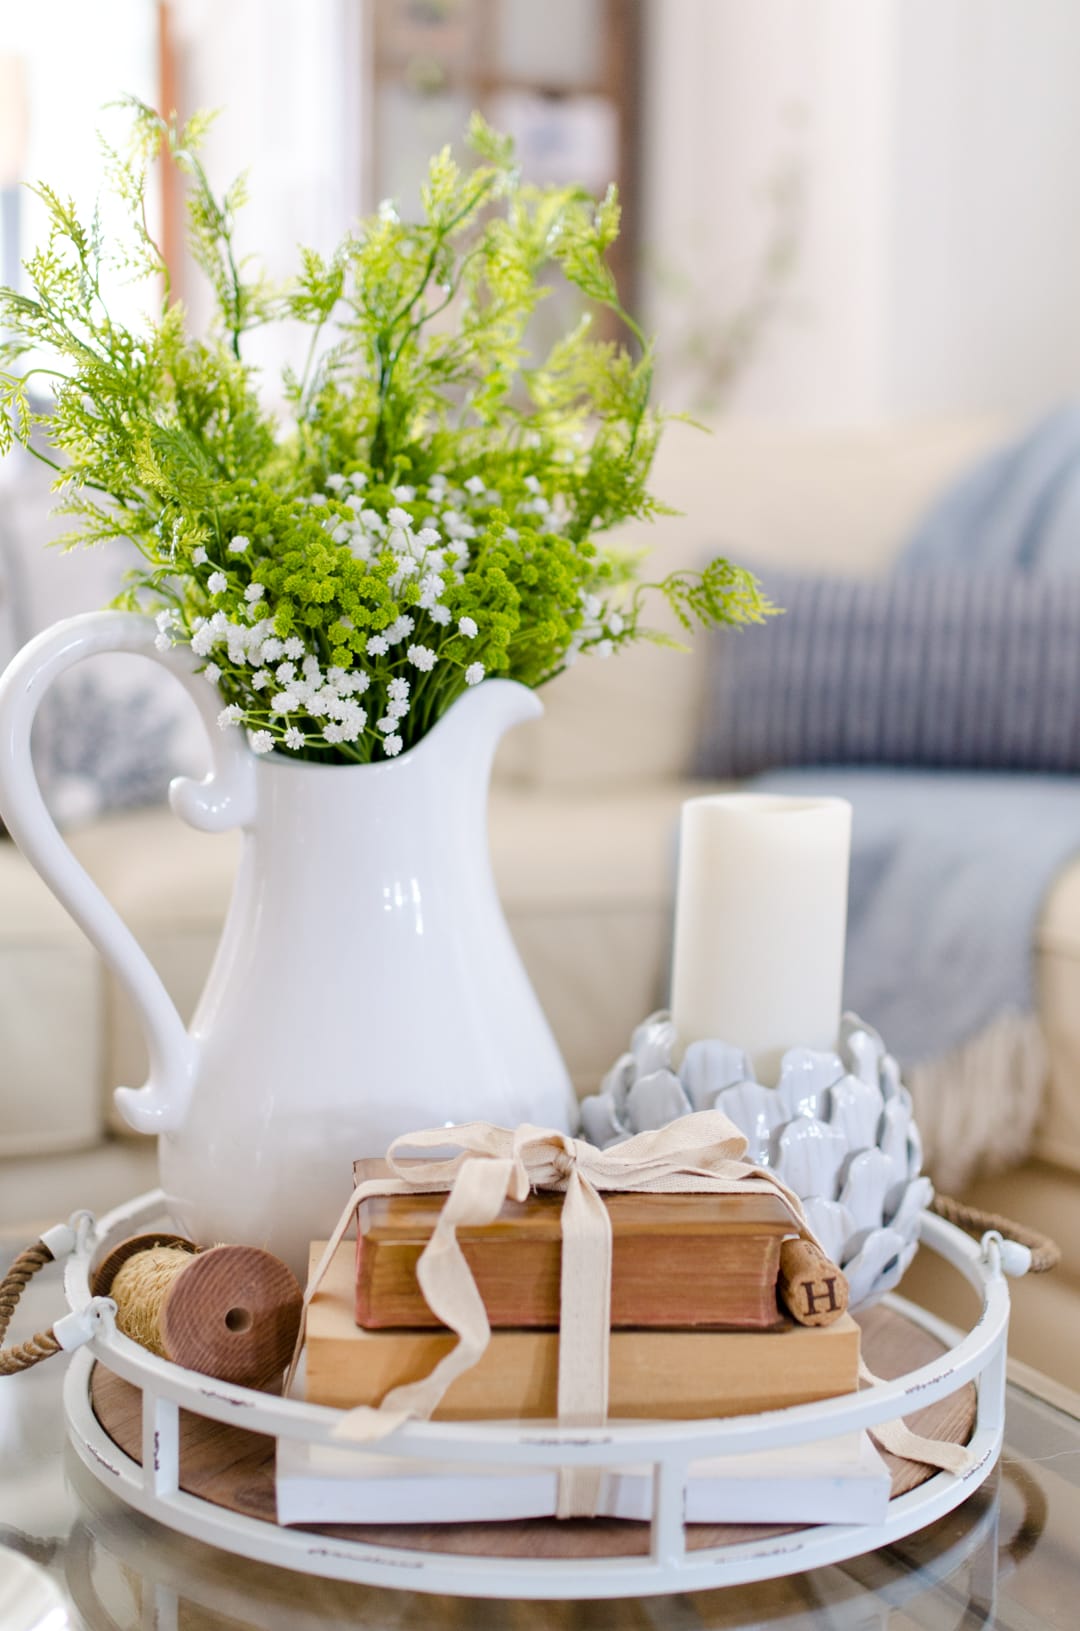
{"x": 812, "y": 1289}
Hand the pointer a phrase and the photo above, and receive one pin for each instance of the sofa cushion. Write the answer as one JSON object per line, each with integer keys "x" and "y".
{"x": 956, "y": 671}
{"x": 52, "y": 1025}
{"x": 1057, "y": 970}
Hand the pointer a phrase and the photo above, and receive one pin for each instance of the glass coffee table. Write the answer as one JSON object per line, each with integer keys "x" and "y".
{"x": 1009, "y": 1557}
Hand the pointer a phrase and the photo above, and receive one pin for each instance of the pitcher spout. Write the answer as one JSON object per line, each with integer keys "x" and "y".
{"x": 479, "y": 719}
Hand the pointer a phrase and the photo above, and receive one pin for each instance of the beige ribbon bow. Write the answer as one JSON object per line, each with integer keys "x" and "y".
{"x": 700, "y": 1153}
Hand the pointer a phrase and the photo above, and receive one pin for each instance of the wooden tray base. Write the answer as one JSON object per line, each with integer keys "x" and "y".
{"x": 234, "y": 1468}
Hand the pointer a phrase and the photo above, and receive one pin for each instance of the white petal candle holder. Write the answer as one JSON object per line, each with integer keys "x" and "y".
{"x": 838, "y": 1128}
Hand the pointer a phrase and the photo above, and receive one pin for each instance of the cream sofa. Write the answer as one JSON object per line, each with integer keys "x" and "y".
{"x": 583, "y": 818}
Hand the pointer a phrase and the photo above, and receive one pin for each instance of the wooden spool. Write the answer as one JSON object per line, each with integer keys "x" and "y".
{"x": 233, "y": 1312}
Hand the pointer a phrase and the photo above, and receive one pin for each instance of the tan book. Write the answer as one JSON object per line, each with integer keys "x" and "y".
{"x": 706, "y": 1261}
{"x": 658, "y": 1374}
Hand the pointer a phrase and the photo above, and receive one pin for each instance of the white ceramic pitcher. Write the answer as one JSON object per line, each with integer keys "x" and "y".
{"x": 366, "y": 983}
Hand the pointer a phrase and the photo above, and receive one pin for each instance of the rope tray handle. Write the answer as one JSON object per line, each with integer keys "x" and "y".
{"x": 1045, "y": 1253}
{"x": 69, "y": 1332}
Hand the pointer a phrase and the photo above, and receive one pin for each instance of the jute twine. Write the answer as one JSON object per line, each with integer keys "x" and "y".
{"x": 140, "y": 1289}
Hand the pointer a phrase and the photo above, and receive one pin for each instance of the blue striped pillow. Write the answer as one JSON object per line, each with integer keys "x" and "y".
{"x": 957, "y": 670}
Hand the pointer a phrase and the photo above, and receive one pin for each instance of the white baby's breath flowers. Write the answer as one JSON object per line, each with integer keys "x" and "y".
{"x": 457, "y": 525}
{"x": 406, "y": 568}
{"x": 302, "y": 703}
{"x": 431, "y": 587}
{"x": 421, "y": 657}
{"x": 199, "y": 557}
{"x": 400, "y": 629}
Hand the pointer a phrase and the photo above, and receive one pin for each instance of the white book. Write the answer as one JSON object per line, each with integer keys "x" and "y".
{"x": 842, "y": 1480}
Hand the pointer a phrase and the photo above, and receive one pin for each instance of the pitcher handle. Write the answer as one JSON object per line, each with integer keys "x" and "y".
{"x": 224, "y": 799}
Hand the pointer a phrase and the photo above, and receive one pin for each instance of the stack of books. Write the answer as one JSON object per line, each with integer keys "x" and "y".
{"x": 696, "y": 1332}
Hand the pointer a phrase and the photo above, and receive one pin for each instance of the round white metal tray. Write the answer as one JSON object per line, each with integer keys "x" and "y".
{"x": 670, "y": 1447}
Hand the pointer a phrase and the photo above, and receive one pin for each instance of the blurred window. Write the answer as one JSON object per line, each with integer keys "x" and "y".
{"x": 58, "y": 65}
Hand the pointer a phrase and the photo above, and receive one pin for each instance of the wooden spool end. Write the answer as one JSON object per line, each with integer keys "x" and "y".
{"x": 110, "y": 1266}
{"x": 810, "y": 1287}
{"x": 233, "y": 1313}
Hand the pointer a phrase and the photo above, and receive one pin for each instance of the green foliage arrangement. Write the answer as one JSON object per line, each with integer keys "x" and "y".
{"x": 427, "y": 510}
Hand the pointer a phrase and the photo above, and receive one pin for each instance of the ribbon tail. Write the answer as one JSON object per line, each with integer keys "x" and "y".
{"x": 898, "y": 1439}
{"x": 315, "y": 1279}
{"x": 451, "y": 1293}
{"x": 584, "y": 1334}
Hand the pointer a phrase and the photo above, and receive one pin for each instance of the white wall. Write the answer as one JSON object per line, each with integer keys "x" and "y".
{"x": 985, "y": 287}
{"x": 736, "y": 94}
{"x": 61, "y": 92}
{"x": 939, "y": 252}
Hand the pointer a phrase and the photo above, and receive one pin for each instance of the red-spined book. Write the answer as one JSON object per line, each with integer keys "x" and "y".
{"x": 679, "y": 1261}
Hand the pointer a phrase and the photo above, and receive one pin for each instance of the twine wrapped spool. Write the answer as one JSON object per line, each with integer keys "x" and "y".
{"x": 230, "y": 1311}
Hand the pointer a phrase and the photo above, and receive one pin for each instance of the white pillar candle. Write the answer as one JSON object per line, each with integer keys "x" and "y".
{"x": 760, "y": 921}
